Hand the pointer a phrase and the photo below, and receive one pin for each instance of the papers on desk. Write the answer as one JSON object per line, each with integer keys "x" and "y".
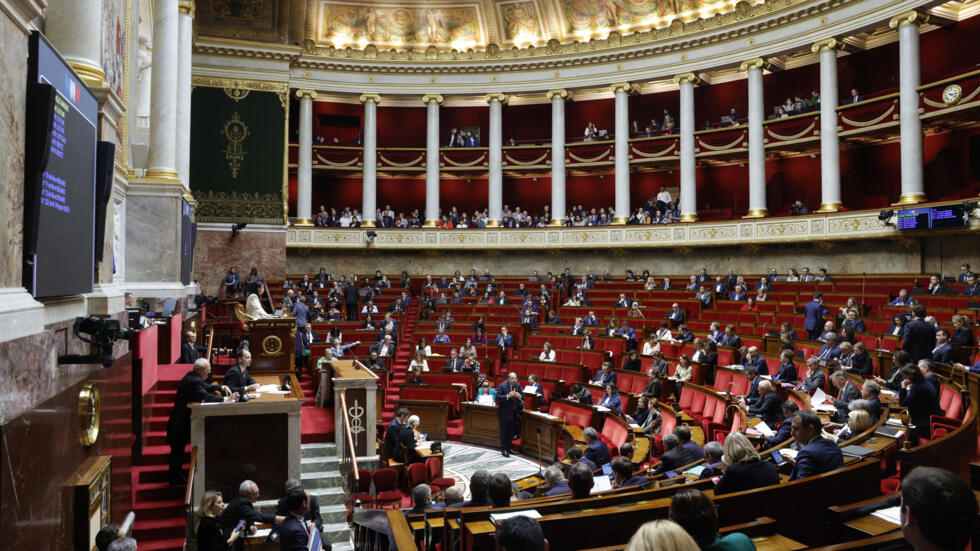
{"x": 485, "y": 399}
{"x": 601, "y": 408}
{"x": 254, "y": 396}
{"x": 263, "y": 533}
{"x": 497, "y": 518}
{"x": 889, "y": 432}
{"x": 695, "y": 470}
{"x": 601, "y": 483}
{"x": 889, "y": 393}
{"x": 894, "y": 422}
{"x": 531, "y": 391}
{"x": 819, "y": 402}
{"x": 890, "y": 514}
{"x": 764, "y": 429}
{"x": 788, "y": 453}
{"x": 269, "y": 388}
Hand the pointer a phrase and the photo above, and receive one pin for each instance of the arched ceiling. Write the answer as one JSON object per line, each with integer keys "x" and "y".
{"x": 460, "y": 25}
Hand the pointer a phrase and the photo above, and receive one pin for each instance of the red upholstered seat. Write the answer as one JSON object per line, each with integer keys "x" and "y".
{"x": 722, "y": 381}
{"x": 386, "y": 486}
{"x": 950, "y": 401}
{"x": 416, "y": 474}
{"x": 362, "y": 487}
{"x": 433, "y": 466}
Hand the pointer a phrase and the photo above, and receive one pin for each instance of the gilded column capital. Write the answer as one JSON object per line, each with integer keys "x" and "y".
{"x": 827, "y": 44}
{"x": 622, "y": 87}
{"x": 559, "y": 93}
{"x": 687, "y": 78}
{"x": 186, "y": 7}
{"x": 429, "y": 98}
{"x": 495, "y": 96}
{"x": 370, "y": 97}
{"x": 306, "y": 94}
{"x": 908, "y": 18}
{"x": 753, "y": 64}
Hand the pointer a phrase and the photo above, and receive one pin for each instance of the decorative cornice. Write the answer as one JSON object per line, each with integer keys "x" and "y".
{"x": 22, "y": 12}
{"x": 827, "y": 44}
{"x": 429, "y": 98}
{"x": 370, "y": 97}
{"x": 495, "y": 96}
{"x": 280, "y": 88}
{"x": 754, "y": 64}
{"x": 306, "y": 94}
{"x": 908, "y": 18}
{"x": 622, "y": 87}
{"x": 559, "y": 93}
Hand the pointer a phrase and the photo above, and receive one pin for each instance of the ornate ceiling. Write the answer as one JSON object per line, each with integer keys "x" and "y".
{"x": 459, "y": 25}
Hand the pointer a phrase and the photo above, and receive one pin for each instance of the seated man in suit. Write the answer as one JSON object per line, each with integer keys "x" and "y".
{"x": 675, "y": 314}
{"x": 754, "y": 359}
{"x": 596, "y": 450}
{"x": 943, "y": 352}
{"x": 752, "y": 374}
{"x": 713, "y": 465}
{"x": 972, "y": 288}
{"x": 294, "y": 534}
{"x": 580, "y": 481}
{"x": 385, "y": 347}
{"x": 683, "y": 433}
{"x": 576, "y": 455}
{"x": 939, "y": 509}
{"x": 479, "y": 491}
{"x": 852, "y": 321}
{"x": 683, "y": 334}
{"x": 533, "y": 386}
{"x": 623, "y": 474}
{"x": 674, "y": 457}
{"x": 454, "y": 363}
{"x": 604, "y": 376}
{"x": 730, "y": 339}
{"x": 870, "y": 392}
{"x": 624, "y": 301}
{"x": 237, "y": 377}
{"x": 785, "y": 429}
{"x": 903, "y": 299}
{"x": 738, "y": 293}
{"x": 421, "y": 500}
{"x": 242, "y": 508}
{"x": 720, "y": 287}
{"x": 373, "y": 361}
{"x": 189, "y": 351}
{"x": 817, "y": 455}
{"x": 556, "y": 481}
{"x": 846, "y": 393}
{"x": 767, "y": 406}
{"x": 830, "y": 350}
{"x": 814, "y": 378}
{"x": 312, "y": 512}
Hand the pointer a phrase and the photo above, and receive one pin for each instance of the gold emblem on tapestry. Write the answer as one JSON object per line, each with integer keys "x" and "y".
{"x": 235, "y": 132}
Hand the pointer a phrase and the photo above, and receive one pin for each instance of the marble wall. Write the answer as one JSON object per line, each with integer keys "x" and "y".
{"x": 152, "y": 238}
{"x": 216, "y": 250}
{"x": 13, "y": 60}
{"x": 871, "y": 256}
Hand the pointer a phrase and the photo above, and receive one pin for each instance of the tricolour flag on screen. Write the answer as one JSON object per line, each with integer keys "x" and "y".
{"x": 315, "y": 543}
{"x": 74, "y": 91}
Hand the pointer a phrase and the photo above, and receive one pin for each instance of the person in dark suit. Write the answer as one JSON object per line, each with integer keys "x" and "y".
{"x": 454, "y": 363}
{"x": 581, "y": 395}
{"x": 815, "y": 312}
{"x": 939, "y": 509}
{"x": 623, "y": 474}
{"x": 920, "y": 337}
{"x": 510, "y": 401}
{"x": 479, "y": 491}
{"x": 936, "y": 286}
{"x": 683, "y": 433}
{"x": 191, "y": 388}
{"x": 312, "y": 512}
{"x": 972, "y": 288}
{"x": 745, "y": 469}
{"x": 720, "y": 287}
{"x": 242, "y": 508}
{"x": 611, "y": 399}
{"x": 505, "y": 341}
{"x": 830, "y": 350}
{"x": 818, "y": 455}
{"x": 787, "y": 369}
{"x": 847, "y": 392}
{"x": 768, "y": 405}
{"x": 713, "y": 464}
{"x": 754, "y": 359}
{"x": 815, "y": 377}
{"x": 785, "y": 429}
{"x": 962, "y": 335}
{"x": 209, "y": 536}
{"x": 730, "y": 339}
{"x": 294, "y": 534}
{"x": 351, "y": 297}
{"x": 870, "y": 392}
{"x": 943, "y": 351}
{"x": 595, "y": 450}
{"x": 393, "y": 434}
{"x": 237, "y": 377}
{"x": 575, "y": 455}
{"x": 920, "y": 397}
{"x": 674, "y": 457}
{"x": 604, "y": 376}
{"x": 189, "y": 351}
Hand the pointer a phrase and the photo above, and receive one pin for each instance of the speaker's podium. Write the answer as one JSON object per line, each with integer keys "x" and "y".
{"x": 272, "y": 342}
{"x": 355, "y": 391}
{"x": 257, "y": 440}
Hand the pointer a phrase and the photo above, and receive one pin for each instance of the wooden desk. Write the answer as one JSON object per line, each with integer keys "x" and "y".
{"x": 257, "y": 440}
{"x": 776, "y": 542}
{"x": 539, "y": 431}
{"x": 480, "y": 425}
{"x": 433, "y": 416}
{"x": 871, "y": 525}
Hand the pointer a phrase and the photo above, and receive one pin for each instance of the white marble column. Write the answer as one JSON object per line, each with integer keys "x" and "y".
{"x": 557, "y": 98}
{"x": 757, "y": 145}
{"x": 75, "y": 29}
{"x": 369, "y": 187}
{"x": 162, "y": 163}
{"x": 908, "y": 102}
{"x": 829, "y": 143}
{"x": 432, "y": 159}
{"x": 689, "y": 191}
{"x": 622, "y": 151}
{"x": 304, "y": 159}
{"x": 495, "y": 193}
{"x": 185, "y": 32}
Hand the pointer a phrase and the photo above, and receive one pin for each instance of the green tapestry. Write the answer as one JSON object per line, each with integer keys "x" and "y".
{"x": 237, "y": 154}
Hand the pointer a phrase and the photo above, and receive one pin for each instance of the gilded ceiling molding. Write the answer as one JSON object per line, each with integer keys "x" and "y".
{"x": 622, "y": 87}
{"x": 908, "y": 18}
{"x": 304, "y": 94}
{"x": 753, "y": 64}
{"x": 495, "y": 96}
{"x": 827, "y": 44}
{"x": 687, "y": 78}
{"x": 559, "y": 93}
{"x": 280, "y": 88}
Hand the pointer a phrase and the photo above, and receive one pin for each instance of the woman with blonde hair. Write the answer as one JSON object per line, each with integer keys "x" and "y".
{"x": 661, "y": 535}
{"x": 209, "y": 535}
{"x": 413, "y": 423}
{"x": 744, "y": 469}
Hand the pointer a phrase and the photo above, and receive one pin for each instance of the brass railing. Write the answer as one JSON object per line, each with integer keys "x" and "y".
{"x": 189, "y": 532}
{"x": 348, "y": 456}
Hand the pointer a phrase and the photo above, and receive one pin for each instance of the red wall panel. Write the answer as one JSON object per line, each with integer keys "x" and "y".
{"x": 402, "y": 126}
{"x": 528, "y": 123}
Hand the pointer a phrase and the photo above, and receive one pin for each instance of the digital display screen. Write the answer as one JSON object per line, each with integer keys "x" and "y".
{"x": 950, "y": 216}
{"x": 60, "y": 191}
{"x": 187, "y": 232}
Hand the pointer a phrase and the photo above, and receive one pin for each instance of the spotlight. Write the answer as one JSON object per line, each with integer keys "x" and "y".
{"x": 371, "y": 234}
{"x": 235, "y": 228}
{"x": 885, "y": 216}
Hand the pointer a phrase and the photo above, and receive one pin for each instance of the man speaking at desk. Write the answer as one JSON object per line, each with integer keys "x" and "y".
{"x": 237, "y": 377}
{"x": 191, "y": 388}
{"x": 510, "y": 401}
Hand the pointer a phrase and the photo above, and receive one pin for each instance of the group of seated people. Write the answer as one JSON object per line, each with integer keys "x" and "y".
{"x": 666, "y": 125}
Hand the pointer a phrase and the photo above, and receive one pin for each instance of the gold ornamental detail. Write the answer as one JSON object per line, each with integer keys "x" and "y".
{"x": 235, "y": 132}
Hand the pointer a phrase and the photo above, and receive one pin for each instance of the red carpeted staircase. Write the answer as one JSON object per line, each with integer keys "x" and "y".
{"x": 159, "y": 507}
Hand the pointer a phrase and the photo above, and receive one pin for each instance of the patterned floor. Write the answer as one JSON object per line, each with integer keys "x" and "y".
{"x": 462, "y": 460}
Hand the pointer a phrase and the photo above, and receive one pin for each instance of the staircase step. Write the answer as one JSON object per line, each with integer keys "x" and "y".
{"x": 172, "y": 544}
{"x": 322, "y": 479}
{"x": 318, "y": 449}
{"x": 156, "y": 529}
{"x": 322, "y": 463}
{"x": 156, "y": 491}
{"x": 337, "y": 531}
{"x": 328, "y": 496}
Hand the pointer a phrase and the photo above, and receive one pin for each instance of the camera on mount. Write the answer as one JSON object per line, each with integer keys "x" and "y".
{"x": 102, "y": 332}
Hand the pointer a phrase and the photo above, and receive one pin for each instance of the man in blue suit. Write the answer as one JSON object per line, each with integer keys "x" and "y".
{"x": 943, "y": 352}
{"x": 510, "y": 401}
{"x": 595, "y": 450}
{"x": 720, "y": 288}
{"x": 505, "y": 341}
{"x": 605, "y": 376}
{"x": 817, "y": 455}
{"x": 294, "y": 533}
{"x": 785, "y": 429}
{"x": 815, "y": 312}
{"x": 754, "y": 359}
{"x": 830, "y": 350}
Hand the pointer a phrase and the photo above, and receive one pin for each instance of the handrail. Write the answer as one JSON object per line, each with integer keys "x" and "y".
{"x": 347, "y": 434}
{"x": 210, "y": 344}
{"x": 188, "y": 492}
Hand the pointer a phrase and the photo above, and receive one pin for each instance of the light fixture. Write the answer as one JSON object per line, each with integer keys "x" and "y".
{"x": 885, "y": 216}
{"x": 235, "y": 228}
